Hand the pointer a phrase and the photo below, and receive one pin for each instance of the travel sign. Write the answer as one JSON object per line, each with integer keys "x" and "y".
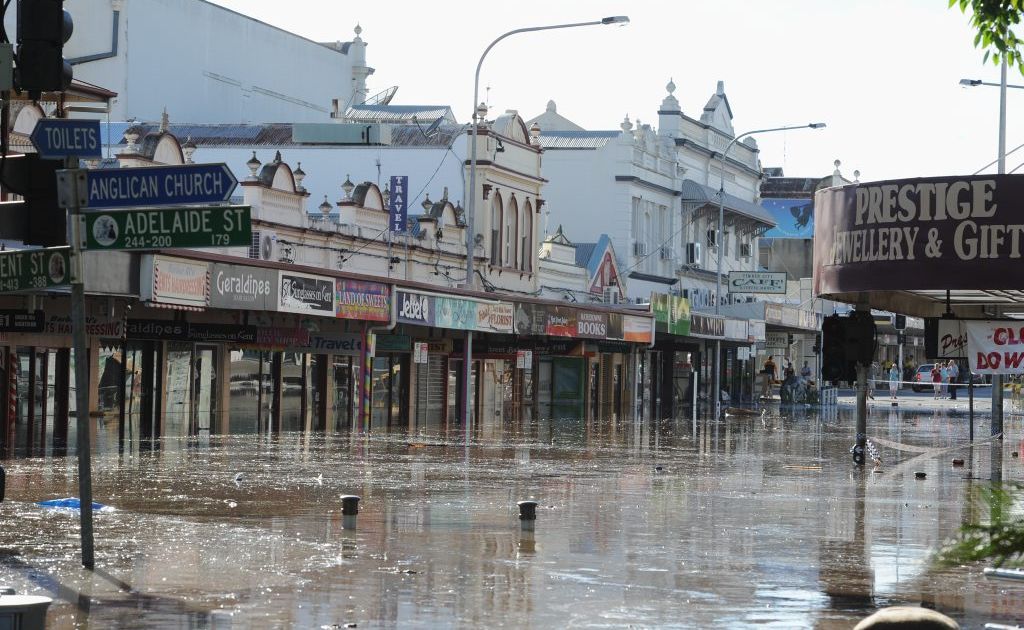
{"x": 59, "y": 138}
{"x": 226, "y": 226}
{"x": 158, "y": 186}
{"x": 35, "y": 269}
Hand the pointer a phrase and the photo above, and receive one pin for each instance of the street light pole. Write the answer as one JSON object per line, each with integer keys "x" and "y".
{"x": 717, "y": 363}
{"x": 479, "y": 115}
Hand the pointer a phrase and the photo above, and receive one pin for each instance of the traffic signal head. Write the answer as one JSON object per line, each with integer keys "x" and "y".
{"x": 44, "y": 221}
{"x": 43, "y": 28}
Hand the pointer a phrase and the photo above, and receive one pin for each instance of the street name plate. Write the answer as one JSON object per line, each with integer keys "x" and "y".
{"x": 35, "y": 269}
{"x": 59, "y": 138}
{"x": 159, "y": 185}
{"x": 225, "y": 226}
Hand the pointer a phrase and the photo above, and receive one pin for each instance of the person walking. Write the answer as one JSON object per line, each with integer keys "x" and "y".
{"x": 894, "y": 381}
{"x": 936, "y": 380}
{"x": 767, "y": 376}
{"x": 954, "y": 378}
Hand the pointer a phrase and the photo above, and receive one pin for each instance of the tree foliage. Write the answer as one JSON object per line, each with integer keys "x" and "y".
{"x": 1000, "y": 540}
{"x": 993, "y": 21}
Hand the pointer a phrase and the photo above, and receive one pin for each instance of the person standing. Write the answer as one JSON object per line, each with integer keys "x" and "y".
{"x": 805, "y": 371}
{"x": 894, "y": 381}
{"x": 767, "y": 375}
{"x": 954, "y": 378}
{"x": 944, "y": 369}
{"x": 936, "y": 380}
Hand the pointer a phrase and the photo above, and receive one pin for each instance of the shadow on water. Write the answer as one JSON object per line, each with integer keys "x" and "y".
{"x": 749, "y": 520}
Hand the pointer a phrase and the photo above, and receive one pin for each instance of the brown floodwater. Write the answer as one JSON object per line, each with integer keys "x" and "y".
{"x": 742, "y": 523}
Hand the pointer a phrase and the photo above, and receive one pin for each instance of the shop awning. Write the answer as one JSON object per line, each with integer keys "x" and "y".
{"x": 697, "y": 193}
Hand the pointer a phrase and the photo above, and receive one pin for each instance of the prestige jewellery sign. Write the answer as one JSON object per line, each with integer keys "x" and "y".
{"x": 920, "y": 234}
{"x": 757, "y": 282}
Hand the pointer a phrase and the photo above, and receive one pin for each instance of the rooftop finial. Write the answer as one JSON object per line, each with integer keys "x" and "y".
{"x": 720, "y": 90}
{"x": 358, "y": 30}
{"x": 165, "y": 121}
{"x": 551, "y": 107}
{"x": 671, "y": 87}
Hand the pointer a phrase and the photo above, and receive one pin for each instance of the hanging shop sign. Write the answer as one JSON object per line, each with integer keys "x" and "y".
{"x": 398, "y": 203}
{"x": 495, "y": 317}
{"x": 776, "y": 340}
{"x": 755, "y": 330}
{"x": 708, "y": 326}
{"x": 166, "y": 330}
{"x": 393, "y": 343}
{"x": 995, "y": 346}
{"x": 415, "y": 308}
{"x": 455, "y": 313}
{"x": 919, "y": 234}
{"x": 638, "y": 329}
{"x": 560, "y": 321}
{"x": 945, "y": 338}
{"x": 304, "y": 293}
{"x": 175, "y": 281}
{"x": 530, "y": 319}
{"x": 438, "y": 346}
{"x": 757, "y": 282}
{"x": 736, "y": 329}
{"x": 243, "y": 288}
{"x": 368, "y": 301}
{"x": 591, "y": 325}
{"x": 21, "y": 321}
{"x": 671, "y": 313}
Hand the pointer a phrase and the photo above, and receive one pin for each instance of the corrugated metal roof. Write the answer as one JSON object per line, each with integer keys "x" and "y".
{"x": 583, "y": 253}
{"x": 398, "y": 113}
{"x": 576, "y": 139}
{"x": 694, "y": 191}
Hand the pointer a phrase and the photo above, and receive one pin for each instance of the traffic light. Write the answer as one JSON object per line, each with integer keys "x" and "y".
{"x": 845, "y": 342}
{"x": 43, "y": 28}
{"x": 44, "y": 221}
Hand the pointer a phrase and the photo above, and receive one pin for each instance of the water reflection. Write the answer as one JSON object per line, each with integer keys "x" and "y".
{"x": 742, "y": 522}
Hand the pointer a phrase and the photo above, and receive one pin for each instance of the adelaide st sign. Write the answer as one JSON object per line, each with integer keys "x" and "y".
{"x": 223, "y": 226}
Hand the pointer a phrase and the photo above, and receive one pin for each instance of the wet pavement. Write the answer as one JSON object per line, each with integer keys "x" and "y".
{"x": 745, "y": 522}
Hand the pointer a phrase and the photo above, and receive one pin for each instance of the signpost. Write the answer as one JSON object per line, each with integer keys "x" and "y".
{"x": 157, "y": 186}
{"x": 60, "y": 138}
{"x": 221, "y": 226}
{"x": 35, "y": 269}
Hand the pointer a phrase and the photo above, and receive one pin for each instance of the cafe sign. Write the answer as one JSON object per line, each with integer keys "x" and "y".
{"x": 757, "y": 282}
{"x": 920, "y": 234}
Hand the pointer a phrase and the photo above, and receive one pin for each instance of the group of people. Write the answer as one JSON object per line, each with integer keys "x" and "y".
{"x": 769, "y": 375}
{"x": 944, "y": 379}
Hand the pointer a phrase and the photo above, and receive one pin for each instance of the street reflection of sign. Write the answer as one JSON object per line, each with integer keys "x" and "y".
{"x": 757, "y": 282}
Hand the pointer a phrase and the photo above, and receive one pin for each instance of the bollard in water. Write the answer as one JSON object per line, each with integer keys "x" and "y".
{"x": 3, "y": 482}
{"x": 527, "y": 510}
{"x": 349, "y": 504}
{"x": 920, "y": 474}
{"x": 958, "y": 462}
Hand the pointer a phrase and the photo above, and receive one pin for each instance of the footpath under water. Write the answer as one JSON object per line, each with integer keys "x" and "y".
{"x": 740, "y": 523}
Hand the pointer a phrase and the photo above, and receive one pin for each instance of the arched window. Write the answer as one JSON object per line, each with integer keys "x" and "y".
{"x": 526, "y": 259}
{"x": 496, "y": 229}
{"x": 511, "y": 234}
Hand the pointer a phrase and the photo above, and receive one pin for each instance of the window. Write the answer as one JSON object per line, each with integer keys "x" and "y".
{"x": 511, "y": 229}
{"x": 496, "y": 229}
{"x": 528, "y": 253}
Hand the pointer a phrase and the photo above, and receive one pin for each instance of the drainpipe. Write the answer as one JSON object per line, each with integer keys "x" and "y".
{"x": 366, "y": 355}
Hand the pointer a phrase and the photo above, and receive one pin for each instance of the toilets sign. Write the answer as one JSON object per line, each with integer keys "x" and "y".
{"x": 59, "y": 138}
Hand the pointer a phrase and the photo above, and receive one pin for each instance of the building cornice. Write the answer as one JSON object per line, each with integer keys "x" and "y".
{"x": 639, "y": 181}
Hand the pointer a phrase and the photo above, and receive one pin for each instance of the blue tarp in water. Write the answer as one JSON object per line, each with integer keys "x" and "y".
{"x": 70, "y": 503}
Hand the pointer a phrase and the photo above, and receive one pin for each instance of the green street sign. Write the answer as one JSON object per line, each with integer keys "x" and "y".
{"x": 221, "y": 226}
{"x": 35, "y": 269}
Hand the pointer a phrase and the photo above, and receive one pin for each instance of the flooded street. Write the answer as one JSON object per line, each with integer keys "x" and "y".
{"x": 747, "y": 522}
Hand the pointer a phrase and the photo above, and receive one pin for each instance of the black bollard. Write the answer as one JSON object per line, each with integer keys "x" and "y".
{"x": 958, "y": 462}
{"x": 349, "y": 504}
{"x": 3, "y": 483}
{"x": 920, "y": 474}
{"x": 527, "y": 510}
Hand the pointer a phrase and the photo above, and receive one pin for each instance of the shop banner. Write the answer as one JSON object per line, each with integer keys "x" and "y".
{"x": 345, "y": 344}
{"x": 672, "y": 313}
{"x": 945, "y": 339}
{"x": 175, "y": 281}
{"x": 638, "y": 329}
{"x": 455, "y": 313}
{"x": 995, "y": 346}
{"x": 755, "y": 330}
{"x": 369, "y": 301}
{"x": 415, "y": 308}
{"x": 166, "y": 330}
{"x": 710, "y": 326}
{"x": 561, "y": 321}
{"x": 736, "y": 329}
{"x": 21, "y": 321}
{"x": 306, "y": 294}
{"x": 614, "y": 326}
{"x": 530, "y": 319}
{"x": 393, "y": 343}
{"x": 936, "y": 233}
{"x": 591, "y": 325}
{"x": 495, "y": 317}
{"x": 94, "y": 326}
{"x": 243, "y": 288}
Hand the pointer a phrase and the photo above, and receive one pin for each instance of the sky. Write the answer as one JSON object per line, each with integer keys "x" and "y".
{"x": 882, "y": 74}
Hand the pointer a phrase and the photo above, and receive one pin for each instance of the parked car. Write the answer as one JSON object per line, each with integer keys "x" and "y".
{"x": 923, "y": 377}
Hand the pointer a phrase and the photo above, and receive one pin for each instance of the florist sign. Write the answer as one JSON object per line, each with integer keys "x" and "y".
{"x": 919, "y": 234}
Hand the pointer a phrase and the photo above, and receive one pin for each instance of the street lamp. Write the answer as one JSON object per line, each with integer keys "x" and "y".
{"x": 718, "y": 245}
{"x": 479, "y": 114}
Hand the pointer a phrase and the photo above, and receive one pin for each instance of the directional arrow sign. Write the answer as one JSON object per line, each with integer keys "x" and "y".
{"x": 35, "y": 269}
{"x": 59, "y": 138}
{"x": 158, "y": 185}
{"x": 226, "y": 226}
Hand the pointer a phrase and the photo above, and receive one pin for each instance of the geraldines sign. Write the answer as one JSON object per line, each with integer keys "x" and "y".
{"x": 929, "y": 233}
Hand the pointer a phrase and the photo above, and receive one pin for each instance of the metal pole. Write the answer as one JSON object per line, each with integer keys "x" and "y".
{"x": 467, "y": 357}
{"x": 81, "y": 346}
{"x": 970, "y": 401}
{"x": 997, "y": 380}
